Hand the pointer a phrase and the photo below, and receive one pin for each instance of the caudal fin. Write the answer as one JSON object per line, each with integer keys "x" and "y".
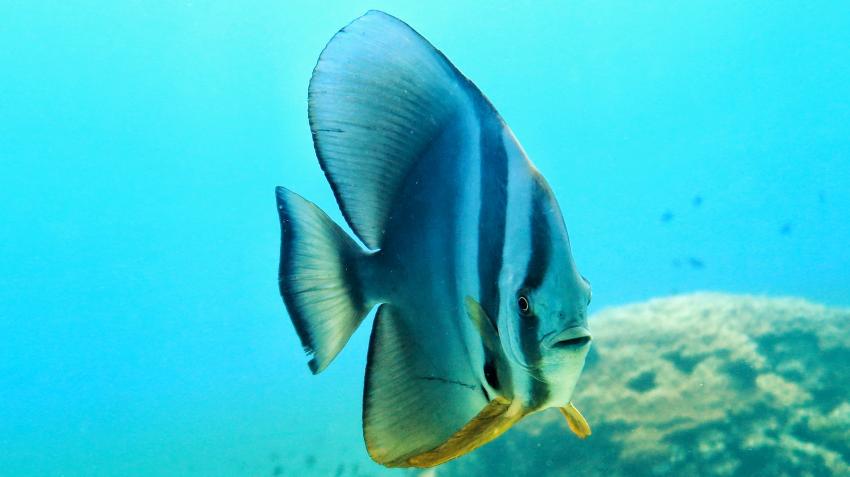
{"x": 318, "y": 278}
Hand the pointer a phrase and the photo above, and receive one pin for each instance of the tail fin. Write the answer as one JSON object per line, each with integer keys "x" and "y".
{"x": 318, "y": 278}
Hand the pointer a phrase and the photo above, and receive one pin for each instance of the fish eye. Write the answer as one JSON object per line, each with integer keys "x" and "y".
{"x": 523, "y": 304}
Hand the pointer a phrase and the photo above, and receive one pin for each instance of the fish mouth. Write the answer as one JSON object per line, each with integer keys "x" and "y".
{"x": 571, "y": 338}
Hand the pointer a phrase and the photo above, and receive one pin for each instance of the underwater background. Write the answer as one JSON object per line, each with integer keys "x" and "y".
{"x": 699, "y": 146}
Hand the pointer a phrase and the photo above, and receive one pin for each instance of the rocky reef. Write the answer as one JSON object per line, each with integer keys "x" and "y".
{"x": 704, "y": 384}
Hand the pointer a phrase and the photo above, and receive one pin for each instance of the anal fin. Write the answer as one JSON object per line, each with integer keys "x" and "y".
{"x": 418, "y": 391}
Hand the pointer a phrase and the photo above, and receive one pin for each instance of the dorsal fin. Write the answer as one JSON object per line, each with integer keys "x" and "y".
{"x": 379, "y": 95}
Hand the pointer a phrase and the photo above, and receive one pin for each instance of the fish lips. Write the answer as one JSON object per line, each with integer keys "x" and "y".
{"x": 574, "y": 338}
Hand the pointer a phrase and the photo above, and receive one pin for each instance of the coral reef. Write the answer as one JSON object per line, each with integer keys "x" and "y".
{"x": 703, "y": 384}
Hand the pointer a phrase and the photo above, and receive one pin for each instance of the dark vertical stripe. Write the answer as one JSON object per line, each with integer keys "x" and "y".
{"x": 541, "y": 244}
{"x": 538, "y": 264}
{"x": 492, "y": 215}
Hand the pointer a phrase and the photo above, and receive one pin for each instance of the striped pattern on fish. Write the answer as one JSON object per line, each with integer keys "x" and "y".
{"x": 481, "y": 314}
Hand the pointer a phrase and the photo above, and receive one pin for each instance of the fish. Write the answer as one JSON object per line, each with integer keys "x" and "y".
{"x": 667, "y": 216}
{"x": 462, "y": 250}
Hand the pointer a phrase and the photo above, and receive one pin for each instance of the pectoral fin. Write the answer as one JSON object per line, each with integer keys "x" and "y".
{"x": 497, "y": 372}
{"x": 576, "y": 421}
{"x": 496, "y": 418}
{"x": 482, "y": 323}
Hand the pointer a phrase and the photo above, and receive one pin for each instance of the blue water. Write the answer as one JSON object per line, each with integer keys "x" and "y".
{"x": 692, "y": 146}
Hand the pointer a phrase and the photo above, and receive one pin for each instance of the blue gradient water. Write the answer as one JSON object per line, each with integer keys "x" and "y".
{"x": 141, "y": 331}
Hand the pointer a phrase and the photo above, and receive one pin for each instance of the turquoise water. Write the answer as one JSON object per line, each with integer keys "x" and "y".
{"x": 702, "y": 146}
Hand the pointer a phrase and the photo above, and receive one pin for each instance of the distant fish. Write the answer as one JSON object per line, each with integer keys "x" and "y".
{"x": 786, "y": 228}
{"x": 696, "y": 263}
{"x": 821, "y": 197}
{"x": 697, "y": 201}
{"x": 667, "y": 216}
{"x": 481, "y": 311}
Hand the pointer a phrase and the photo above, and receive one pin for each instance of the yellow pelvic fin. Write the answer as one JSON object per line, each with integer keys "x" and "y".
{"x": 496, "y": 418}
{"x": 576, "y": 421}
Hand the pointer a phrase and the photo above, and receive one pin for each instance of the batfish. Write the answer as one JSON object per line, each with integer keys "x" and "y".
{"x": 481, "y": 311}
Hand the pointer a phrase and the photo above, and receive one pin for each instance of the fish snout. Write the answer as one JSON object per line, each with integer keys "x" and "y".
{"x": 575, "y": 337}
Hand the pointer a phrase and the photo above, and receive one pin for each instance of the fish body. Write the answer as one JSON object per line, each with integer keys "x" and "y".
{"x": 481, "y": 310}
